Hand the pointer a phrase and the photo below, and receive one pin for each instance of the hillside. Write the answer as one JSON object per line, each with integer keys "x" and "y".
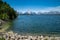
{"x": 6, "y": 12}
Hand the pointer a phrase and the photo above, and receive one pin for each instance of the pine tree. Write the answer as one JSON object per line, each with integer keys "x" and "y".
{"x": 6, "y": 12}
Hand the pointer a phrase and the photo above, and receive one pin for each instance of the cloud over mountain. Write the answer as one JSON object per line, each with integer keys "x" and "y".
{"x": 48, "y": 9}
{"x": 42, "y": 10}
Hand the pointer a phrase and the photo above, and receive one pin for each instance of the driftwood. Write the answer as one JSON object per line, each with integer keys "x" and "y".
{"x": 0, "y": 22}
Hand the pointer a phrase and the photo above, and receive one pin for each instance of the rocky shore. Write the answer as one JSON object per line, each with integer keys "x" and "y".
{"x": 4, "y": 25}
{"x": 15, "y": 36}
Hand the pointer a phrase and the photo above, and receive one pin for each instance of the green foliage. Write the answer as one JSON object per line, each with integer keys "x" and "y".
{"x": 5, "y": 16}
{"x": 6, "y": 12}
{"x": 2, "y": 39}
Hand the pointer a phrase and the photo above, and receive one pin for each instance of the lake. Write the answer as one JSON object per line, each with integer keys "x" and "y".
{"x": 37, "y": 24}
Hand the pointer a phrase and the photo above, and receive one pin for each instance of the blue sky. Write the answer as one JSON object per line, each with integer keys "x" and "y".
{"x": 34, "y": 5}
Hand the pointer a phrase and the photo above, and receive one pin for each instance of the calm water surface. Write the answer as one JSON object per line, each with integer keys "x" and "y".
{"x": 37, "y": 24}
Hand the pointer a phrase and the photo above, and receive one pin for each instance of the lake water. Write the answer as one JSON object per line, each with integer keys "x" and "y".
{"x": 39, "y": 24}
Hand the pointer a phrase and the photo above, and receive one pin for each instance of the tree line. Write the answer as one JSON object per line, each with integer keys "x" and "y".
{"x": 7, "y": 12}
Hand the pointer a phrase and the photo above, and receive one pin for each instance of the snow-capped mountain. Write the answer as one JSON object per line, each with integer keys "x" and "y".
{"x": 34, "y": 13}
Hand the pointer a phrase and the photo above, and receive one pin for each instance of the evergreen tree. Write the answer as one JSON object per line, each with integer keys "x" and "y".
{"x": 6, "y": 12}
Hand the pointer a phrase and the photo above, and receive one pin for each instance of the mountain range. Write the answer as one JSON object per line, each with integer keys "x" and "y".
{"x": 39, "y": 13}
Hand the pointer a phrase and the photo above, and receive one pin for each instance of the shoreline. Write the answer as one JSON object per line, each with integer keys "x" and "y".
{"x": 57, "y": 35}
{"x": 34, "y": 34}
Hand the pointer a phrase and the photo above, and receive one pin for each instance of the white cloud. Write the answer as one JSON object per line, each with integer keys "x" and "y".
{"x": 51, "y": 9}
{"x": 46, "y": 9}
